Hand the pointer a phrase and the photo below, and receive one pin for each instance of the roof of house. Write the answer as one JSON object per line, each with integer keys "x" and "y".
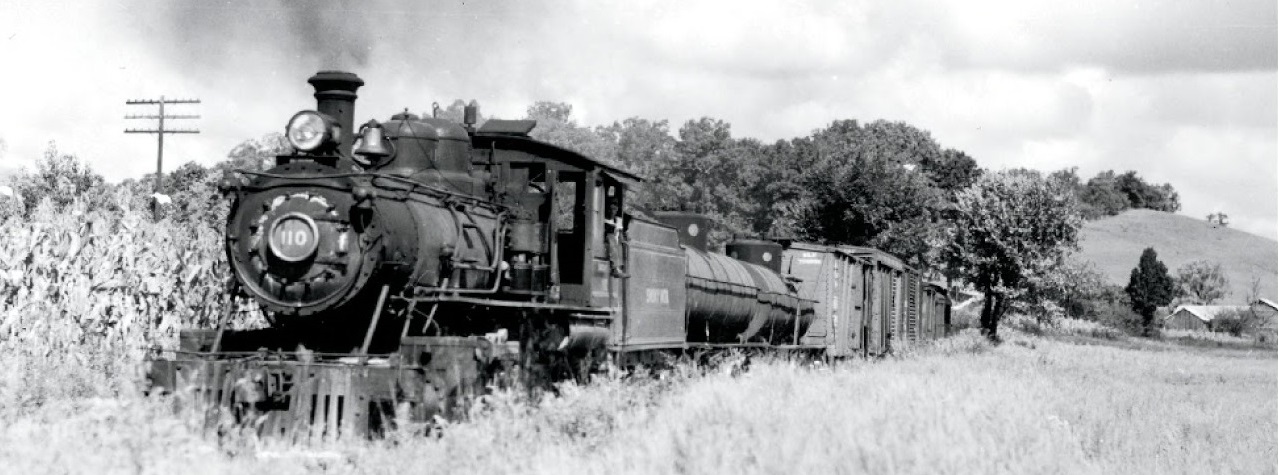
{"x": 1208, "y": 313}
{"x": 1269, "y": 323}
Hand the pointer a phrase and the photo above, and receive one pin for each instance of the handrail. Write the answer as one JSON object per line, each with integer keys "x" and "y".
{"x": 502, "y": 303}
{"x": 373, "y": 176}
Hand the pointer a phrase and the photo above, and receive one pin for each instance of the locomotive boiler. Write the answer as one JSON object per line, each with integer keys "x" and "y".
{"x": 406, "y": 264}
{"x": 392, "y": 205}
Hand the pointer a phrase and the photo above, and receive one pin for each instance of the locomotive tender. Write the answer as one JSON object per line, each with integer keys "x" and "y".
{"x": 404, "y": 263}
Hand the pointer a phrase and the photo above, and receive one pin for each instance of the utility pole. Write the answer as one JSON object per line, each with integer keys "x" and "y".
{"x": 159, "y": 131}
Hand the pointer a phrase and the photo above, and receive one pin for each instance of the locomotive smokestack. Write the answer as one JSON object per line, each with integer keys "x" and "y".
{"x": 335, "y": 96}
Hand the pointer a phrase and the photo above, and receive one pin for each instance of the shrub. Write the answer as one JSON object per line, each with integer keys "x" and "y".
{"x": 965, "y": 317}
{"x": 192, "y": 189}
{"x": 1065, "y": 327}
{"x": 61, "y": 179}
{"x": 1236, "y": 322}
{"x": 1112, "y": 308}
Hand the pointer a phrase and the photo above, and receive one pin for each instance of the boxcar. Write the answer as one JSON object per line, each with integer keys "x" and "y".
{"x": 838, "y": 281}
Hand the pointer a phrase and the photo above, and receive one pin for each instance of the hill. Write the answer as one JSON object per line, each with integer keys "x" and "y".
{"x": 1114, "y": 244}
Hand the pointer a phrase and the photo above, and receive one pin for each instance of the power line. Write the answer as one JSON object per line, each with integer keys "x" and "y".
{"x": 160, "y": 130}
{"x": 154, "y": 116}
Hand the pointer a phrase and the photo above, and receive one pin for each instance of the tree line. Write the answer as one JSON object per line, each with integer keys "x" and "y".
{"x": 1108, "y": 193}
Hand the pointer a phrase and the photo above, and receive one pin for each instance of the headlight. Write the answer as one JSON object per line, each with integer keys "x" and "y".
{"x": 309, "y": 130}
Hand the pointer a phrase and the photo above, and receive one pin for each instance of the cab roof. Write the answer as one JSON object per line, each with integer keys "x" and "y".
{"x": 513, "y": 135}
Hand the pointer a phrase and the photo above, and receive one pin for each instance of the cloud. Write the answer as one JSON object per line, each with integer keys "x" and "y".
{"x": 220, "y": 33}
{"x": 1184, "y": 93}
{"x": 1125, "y": 37}
{"x": 814, "y": 38}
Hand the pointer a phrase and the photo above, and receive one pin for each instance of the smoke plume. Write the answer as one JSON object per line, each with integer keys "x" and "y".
{"x": 333, "y": 34}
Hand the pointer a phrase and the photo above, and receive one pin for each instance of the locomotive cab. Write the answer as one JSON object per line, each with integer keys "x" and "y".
{"x": 567, "y": 231}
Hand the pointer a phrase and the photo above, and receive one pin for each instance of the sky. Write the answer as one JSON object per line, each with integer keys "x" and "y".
{"x": 1183, "y": 92}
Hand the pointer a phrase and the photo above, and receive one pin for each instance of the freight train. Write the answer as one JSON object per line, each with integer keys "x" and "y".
{"x": 405, "y": 264}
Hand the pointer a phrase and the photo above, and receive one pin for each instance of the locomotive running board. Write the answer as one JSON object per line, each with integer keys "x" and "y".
{"x": 745, "y": 346}
{"x": 445, "y": 298}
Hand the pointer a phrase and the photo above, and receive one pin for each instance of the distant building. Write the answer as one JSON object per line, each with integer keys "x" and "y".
{"x": 1202, "y": 317}
{"x": 1197, "y": 317}
{"x": 1267, "y": 311}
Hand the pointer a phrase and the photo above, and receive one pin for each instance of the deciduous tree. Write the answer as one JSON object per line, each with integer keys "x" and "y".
{"x": 1202, "y": 282}
{"x": 778, "y": 181}
{"x": 1007, "y": 227}
{"x": 867, "y": 189}
{"x": 647, "y": 149}
{"x": 61, "y": 178}
{"x": 952, "y": 171}
{"x": 1075, "y": 286}
{"x": 1101, "y": 196}
{"x": 255, "y": 154}
{"x": 556, "y": 125}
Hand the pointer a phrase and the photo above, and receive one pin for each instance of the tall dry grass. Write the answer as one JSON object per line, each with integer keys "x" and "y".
{"x": 1209, "y": 336}
{"x": 1031, "y": 405}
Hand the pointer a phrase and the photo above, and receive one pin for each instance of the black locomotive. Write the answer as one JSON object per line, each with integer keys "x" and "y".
{"x": 406, "y": 263}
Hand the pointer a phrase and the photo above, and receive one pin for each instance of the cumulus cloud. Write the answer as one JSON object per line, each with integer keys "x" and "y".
{"x": 1125, "y": 37}
{"x": 217, "y": 34}
{"x": 1183, "y": 92}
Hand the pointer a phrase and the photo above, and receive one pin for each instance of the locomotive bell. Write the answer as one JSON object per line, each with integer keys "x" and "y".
{"x": 372, "y": 143}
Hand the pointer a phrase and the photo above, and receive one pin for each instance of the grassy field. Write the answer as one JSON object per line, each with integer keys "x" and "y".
{"x": 1032, "y": 405}
{"x": 1114, "y": 244}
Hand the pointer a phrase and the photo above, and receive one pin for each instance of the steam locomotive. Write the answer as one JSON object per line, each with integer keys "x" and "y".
{"x": 407, "y": 263}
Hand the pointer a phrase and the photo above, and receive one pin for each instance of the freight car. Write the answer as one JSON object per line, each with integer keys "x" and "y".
{"x": 405, "y": 264}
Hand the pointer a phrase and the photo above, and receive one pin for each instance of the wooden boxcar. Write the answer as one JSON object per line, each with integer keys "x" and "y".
{"x": 868, "y": 301}
{"x": 887, "y": 298}
{"x": 936, "y": 310}
{"x": 837, "y": 281}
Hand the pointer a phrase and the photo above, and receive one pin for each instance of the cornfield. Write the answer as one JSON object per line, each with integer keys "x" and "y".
{"x": 89, "y": 288}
